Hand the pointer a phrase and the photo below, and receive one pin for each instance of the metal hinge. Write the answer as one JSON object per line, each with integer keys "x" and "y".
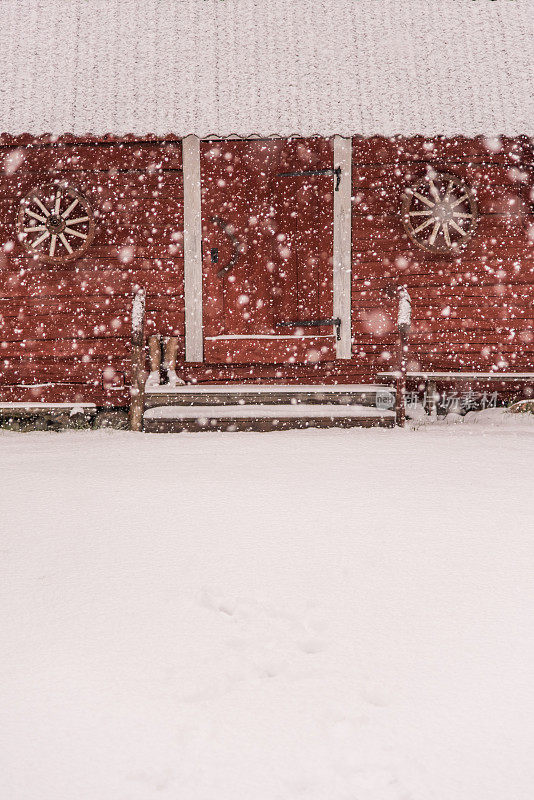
{"x": 313, "y": 323}
{"x": 336, "y": 172}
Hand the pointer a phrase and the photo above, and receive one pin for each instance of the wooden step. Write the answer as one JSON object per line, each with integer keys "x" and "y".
{"x": 22, "y": 410}
{"x": 264, "y": 417}
{"x": 371, "y": 396}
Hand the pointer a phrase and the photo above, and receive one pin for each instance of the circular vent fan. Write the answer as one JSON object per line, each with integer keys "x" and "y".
{"x": 439, "y": 213}
{"x": 56, "y": 223}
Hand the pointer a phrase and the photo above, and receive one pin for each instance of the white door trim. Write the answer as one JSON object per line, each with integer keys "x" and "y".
{"x": 343, "y": 244}
{"x": 194, "y": 349}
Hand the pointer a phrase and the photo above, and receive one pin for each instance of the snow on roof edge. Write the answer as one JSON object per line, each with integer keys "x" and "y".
{"x": 371, "y": 67}
{"x": 8, "y": 139}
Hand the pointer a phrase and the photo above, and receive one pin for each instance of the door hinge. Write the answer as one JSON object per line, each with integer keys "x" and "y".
{"x": 336, "y": 172}
{"x": 313, "y": 323}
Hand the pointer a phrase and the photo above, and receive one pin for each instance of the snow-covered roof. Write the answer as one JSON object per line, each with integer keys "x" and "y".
{"x": 267, "y": 67}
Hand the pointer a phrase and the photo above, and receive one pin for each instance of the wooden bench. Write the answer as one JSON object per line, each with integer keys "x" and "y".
{"x": 432, "y": 378}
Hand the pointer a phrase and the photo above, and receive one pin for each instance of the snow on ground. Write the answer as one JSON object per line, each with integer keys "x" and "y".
{"x": 309, "y": 615}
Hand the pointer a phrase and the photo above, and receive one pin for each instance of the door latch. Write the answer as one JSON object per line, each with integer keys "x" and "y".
{"x": 225, "y": 227}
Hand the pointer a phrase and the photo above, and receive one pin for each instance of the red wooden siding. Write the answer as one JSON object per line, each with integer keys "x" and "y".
{"x": 473, "y": 310}
{"x": 65, "y": 329}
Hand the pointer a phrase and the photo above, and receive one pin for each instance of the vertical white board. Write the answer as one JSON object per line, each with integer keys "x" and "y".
{"x": 343, "y": 243}
{"x": 194, "y": 350}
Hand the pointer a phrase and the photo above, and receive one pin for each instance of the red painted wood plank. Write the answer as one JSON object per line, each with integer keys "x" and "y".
{"x": 72, "y": 157}
{"x": 380, "y": 150}
{"x": 59, "y": 393}
{"x": 90, "y": 282}
{"x": 67, "y": 372}
{"x": 102, "y": 189}
{"x": 447, "y": 280}
{"x": 85, "y": 325}
{"x": 103, "y": 324}
{"x": 490, "y": 200}
{"x": 522, "y": 293}
{"x": 66, "y": 348}
{"x": 88, "y": 139}
{"x": 268, "y": 351}
{"x": 385, "y": 179}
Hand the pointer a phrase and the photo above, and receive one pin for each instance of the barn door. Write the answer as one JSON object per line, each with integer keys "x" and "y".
{"x": 267, "y": 219}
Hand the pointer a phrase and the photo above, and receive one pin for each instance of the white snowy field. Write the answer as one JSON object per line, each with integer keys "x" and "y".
{"x": 308, "y": 615}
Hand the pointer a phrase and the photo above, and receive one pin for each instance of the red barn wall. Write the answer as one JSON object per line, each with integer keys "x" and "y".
{"x": 65, "y": 329}
{"x": 473, "y": 310}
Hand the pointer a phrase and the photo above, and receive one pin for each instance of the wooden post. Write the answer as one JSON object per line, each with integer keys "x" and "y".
{"x": 137, "y": 388}
{"x": 431, "y": 408}
{"x": 403, "y": 324}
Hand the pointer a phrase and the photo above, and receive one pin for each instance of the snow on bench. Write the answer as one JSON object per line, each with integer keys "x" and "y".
{"x": 266, "y": 412}
{"x": 467, "y": 376}
{"x": 249, "y": 388}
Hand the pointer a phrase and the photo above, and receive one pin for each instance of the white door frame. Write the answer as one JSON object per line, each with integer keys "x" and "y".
{"x": 342, "y": 244}
{"x": 194, "y": 343}
{"x": 194, "y": 347}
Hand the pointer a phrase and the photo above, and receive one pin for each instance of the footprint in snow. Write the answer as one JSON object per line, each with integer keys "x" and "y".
{"x": 377, "y": 694}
